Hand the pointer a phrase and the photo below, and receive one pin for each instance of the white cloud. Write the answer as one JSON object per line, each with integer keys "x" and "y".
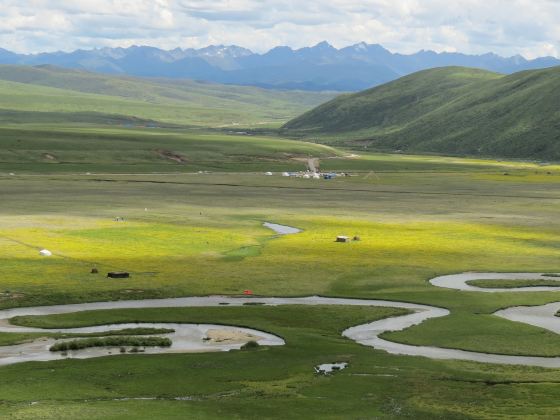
{"x": 506, "y": 27}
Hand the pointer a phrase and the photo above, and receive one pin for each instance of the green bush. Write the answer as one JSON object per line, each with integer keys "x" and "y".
{"x": 250, "y": 345}
{"x": 118, "y": 341}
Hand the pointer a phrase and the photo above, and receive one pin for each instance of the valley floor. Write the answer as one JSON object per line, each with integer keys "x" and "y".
{"x": 198, "y": 234}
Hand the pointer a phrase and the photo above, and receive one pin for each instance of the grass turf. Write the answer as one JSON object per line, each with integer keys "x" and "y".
{"x": 260, "y": 383}
{"x": 65, "y": 148}
{"x": 201, "y": 234}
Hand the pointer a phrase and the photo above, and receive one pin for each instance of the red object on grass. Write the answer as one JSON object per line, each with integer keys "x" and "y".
{"x": 247, "y": 292}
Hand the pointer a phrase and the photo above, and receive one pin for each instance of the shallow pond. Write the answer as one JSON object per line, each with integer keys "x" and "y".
{"x": 327, "y": 368}
{"x": 281, "y": 229}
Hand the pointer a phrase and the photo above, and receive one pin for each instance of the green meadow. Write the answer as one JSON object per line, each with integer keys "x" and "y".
{"x": 48, "y": 94}
{"x": 120, "y": 174}
{"x": 188, "y": 233}
{"x": 35, "y": 148}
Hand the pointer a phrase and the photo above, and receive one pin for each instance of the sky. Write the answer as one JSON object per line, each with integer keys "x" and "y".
{"x": 506, "y": 27}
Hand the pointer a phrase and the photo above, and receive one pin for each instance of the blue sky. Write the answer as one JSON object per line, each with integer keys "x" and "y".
{"x": 527, "y": 27}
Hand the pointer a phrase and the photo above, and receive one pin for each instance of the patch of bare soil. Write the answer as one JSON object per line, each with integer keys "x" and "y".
{"x": 11, "y": 295}
{"x": 312, "y": 163}
{"x": 168, "y": 154}
{"x": 230, "y": 336}
{"x": 48, "y": 156}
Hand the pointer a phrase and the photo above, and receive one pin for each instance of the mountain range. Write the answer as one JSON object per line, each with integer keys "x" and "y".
{"x": 317, "y": 68}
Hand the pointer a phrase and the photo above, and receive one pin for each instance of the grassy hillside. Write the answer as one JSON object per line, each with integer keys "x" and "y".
{"x": 88, "y": 97}
{"x": 78, "y": 148}
{"x": 447, "y": 110}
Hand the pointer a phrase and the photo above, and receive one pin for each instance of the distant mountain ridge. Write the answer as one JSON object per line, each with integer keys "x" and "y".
{"x": 321, "y": 67}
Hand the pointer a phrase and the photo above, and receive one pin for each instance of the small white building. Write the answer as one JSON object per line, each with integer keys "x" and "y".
{"x": 45, "y": 253}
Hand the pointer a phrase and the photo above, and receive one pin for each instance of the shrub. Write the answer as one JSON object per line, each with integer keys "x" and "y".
{"x": 250, "y": 345}
{"x": 115, "y": 341}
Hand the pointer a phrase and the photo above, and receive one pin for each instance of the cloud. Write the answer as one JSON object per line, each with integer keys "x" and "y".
{"x": 506, "y": 27}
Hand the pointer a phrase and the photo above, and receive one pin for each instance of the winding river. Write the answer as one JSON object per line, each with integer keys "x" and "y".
{"x": 198, "y": 337}
{"x": 460, "y": 282}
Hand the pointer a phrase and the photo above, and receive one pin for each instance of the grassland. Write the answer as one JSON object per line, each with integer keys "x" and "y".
{"x": 273, "y": 382}
{"x": 199, "y": 220}
{"x": 66, "y": 148}
{"x": 193, "y": 203}
{"x": 418, "y": 217}
{"x": 48, "y": 94}
{"x": 55, "y": 148}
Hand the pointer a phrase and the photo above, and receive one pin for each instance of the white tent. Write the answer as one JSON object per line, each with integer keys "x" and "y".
{"x": 45, "y": 253}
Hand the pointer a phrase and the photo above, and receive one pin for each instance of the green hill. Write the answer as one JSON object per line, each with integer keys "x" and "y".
{"x": 449, "y": 111}
{"x": 56, "y": 120}
{"x": 78, "y": 96}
